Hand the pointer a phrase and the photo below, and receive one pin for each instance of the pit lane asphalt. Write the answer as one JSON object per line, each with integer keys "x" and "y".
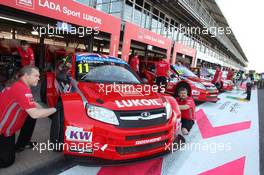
{"x": 63, "y": 165}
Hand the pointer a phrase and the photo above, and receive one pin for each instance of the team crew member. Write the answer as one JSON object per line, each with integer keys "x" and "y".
{"x": 134, "y": 63}
{"x": 258, "y": 77}
{"x": 24, "y": 139}
{"x": 230, "y": 74}
{"x": 187, "y": 107}
{"x": 249, "y": 85}
{"x": 262, "y": 81}
{"x": 16, "y": 104}
{"x": 217, "y": 77}
{"x": 239, "y": 78}
{"x": 26, "y": 54}
{"x": 63, "y": 74}
{"x": 162, "y": 72}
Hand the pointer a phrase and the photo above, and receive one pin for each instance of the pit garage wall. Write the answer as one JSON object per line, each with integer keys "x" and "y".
{"x": 72, "y": 12}
{"x": 205, "y": 57}
{"x": 180, "y": 48}
{"x": 133, "y": 32}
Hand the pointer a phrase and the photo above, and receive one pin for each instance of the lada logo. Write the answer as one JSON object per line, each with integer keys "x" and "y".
{"x": 26, "y": 3}
{"x": 145, "y": 114}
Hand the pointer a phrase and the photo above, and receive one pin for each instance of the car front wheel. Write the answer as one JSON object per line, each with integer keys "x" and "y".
{"x": 57, "y": 128}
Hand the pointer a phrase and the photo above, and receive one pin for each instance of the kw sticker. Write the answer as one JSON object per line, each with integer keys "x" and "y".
{"x": 78, "y": 134}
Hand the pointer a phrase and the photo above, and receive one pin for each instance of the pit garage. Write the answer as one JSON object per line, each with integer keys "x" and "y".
{"x": 50, "y": 37}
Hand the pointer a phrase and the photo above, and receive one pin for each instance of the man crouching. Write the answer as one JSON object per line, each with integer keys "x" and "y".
{"x": 187, "y": 107}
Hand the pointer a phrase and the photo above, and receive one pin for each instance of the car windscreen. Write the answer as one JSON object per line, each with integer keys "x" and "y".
{"x": 104, "y": 70}
{"x": 211, "y": 71}
{"x": 183, "y": 71}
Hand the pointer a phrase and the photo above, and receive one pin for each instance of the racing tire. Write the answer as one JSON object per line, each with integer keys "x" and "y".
{"x": 219, "y": 87}
{"x": 43, "y": 90}
{"x": 57, "y": 128}
{"x": 183, "y": 86}
{"x": 179, "y": 142}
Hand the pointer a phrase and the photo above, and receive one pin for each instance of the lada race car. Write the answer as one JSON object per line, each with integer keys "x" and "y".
{"x": 226, "y": 85}
{"x": 97, "y": 118}
{"x": 180, "y": 76}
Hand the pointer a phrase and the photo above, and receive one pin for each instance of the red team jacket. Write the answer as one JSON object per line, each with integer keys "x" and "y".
{"x": 218, "y": 76}
{"x": 134, "y": 63}
{"x": 188, "y": 114}
{"x": 15, "y": 100}
{"x": 27, "y": 56}
{"x": 230, "y": 75}
{"x": 162, "y": 68}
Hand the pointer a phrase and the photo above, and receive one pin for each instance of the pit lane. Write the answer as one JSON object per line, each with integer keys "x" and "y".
{"x": 230, "y": 121}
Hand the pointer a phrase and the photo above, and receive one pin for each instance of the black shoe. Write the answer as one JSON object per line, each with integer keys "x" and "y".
{"x": 30, "y": 145}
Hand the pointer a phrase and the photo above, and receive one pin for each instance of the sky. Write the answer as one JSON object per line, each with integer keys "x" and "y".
{"x": 246, "y": 19}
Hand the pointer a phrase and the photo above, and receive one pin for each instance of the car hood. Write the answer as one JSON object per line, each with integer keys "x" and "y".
{"x": 193, "y": 79}
{"x": 198, "y": 80}
{"x": 206, "y": 83}
{"x": 133, "y": 97}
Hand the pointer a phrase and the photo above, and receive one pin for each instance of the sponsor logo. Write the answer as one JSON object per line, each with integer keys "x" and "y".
{"x": 49, "y": 5}
{"x": 30, "y": 99}
{"x": 194, "y": 92}
{"x": 78, "y": 134}
{"x": 81, "y": 150}
{"x": 141, "y": 142}
{"x": 135, "y": 103}
{"x": 145, "y": 114}
{"x": 26, "y": 3}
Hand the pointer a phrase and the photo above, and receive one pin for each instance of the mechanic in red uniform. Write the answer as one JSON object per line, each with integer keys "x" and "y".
{"x": 230, "y": 74}
{"x": 24, "y": 139}
{"x": 187, "y": 107}
{"x": 16, "y": 104}
{"x": 162, "y": 72}
{"x": 134, "y": 63}
{"x": 217, "y": 77}
{"x": 26, "y": 53}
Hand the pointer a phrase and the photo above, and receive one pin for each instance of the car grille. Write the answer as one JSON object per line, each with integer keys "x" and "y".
{"x": 144, "y": 136}
{"x": 211, "y": 89}
{"x": 134, "y": 119}
{"x": 141, "y": 148}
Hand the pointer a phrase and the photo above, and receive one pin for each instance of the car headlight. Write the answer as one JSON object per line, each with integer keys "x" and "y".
{"x": 168, "y": 110}
{"x": 199, "y": 85}
{"x": 102, "y": 114}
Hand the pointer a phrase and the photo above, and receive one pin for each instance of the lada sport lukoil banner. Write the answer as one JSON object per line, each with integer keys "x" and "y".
{"x": 133, "y": 32}
{"x": 72, "y": 12}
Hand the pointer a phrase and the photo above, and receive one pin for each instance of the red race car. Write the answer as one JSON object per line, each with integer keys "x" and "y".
{"x": 208, "y": 75}
{"x": 180, "y": 76}
{"x": 106, "y": 112}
